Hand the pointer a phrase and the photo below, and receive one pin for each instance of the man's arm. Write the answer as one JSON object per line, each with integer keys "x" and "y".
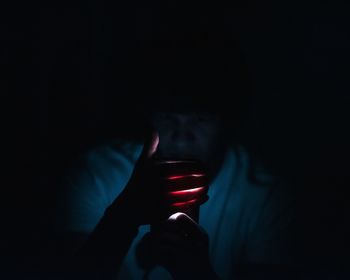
{"x": 181, "y": 246}
{"x": 100, "y": 252}
{"x": 270, "y": 246}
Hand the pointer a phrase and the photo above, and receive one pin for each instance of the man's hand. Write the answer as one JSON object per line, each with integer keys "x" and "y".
{"x": 158, "y": 188}
{"x": 107, "y": 246}
{"x": 141, "y": 196}
{"x": 180, "y": 245}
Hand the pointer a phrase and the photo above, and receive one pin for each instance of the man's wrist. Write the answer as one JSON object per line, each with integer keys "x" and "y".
{"x": 122, "y": 213}
{"x": 195, "y": 272}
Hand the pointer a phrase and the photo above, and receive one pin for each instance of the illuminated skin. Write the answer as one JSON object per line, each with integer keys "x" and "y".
{"x": 184, "y": 139}
{"x": 186, "y": 190}
{"x": 184, "y": 176}
{"x": 190, "y": 135}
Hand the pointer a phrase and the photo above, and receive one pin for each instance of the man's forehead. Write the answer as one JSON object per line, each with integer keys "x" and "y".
{"x": 186, "y": 105}
{"x": 185, "y": 113}
{"x": 208, "y": 117}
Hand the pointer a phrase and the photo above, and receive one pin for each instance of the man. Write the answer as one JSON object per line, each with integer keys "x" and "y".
{"x": 110, "y": 199}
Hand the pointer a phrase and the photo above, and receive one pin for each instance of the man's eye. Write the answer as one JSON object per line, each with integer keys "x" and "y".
{"x": 166, "y": 119}
{"x": 202, "y": 118}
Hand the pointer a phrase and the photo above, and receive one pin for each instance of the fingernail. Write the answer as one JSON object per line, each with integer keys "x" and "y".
{"x": 178, "y": 215}
{"x": 174, "y": 217}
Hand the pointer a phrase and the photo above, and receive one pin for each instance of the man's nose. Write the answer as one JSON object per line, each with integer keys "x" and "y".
{"x": 183, "y": 133}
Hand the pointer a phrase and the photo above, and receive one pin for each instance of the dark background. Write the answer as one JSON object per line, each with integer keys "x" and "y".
{"x": 56, "y": 105}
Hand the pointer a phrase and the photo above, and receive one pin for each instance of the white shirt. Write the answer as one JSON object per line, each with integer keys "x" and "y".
{"x": 245, "y": 221}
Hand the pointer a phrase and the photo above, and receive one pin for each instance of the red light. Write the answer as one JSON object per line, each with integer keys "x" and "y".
{"x": 188, "y": 191}
{"x": 180, "y": 204}
{"x": 184, "y": 176}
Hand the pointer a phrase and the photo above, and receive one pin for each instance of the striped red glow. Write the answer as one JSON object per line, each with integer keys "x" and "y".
{"x": 184, "y": 176}
{"x": 180, "y": 204}
{"x": 188, "y": 191}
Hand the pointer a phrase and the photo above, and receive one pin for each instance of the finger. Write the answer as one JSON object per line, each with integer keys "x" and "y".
{"x": 188, "y": 226}
{"x": 155, "y": 247}
{"x": 182, "y": 182}
{"x": 144, "y": 257}
{"x": 169, "y": 168}
{"x": 170, "y": 237}
{"x": 178, "y": 205}
{"x": 150, "y": 146}
{"x": 185, "y": 195}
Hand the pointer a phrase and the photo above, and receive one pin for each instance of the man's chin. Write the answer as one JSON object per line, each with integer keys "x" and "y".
{"x": 179, "y": 156}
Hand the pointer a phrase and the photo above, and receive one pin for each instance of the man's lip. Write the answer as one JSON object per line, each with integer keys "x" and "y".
{"x": 179, "y": 156}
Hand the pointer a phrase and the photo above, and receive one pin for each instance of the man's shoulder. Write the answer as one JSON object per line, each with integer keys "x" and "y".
{"x": 120, "y": 152}
{"x": 104, "y": 169}
{"x": 249, "y": 168}
{"x": 268, "y": 201}
{"x": 257, "y": 184}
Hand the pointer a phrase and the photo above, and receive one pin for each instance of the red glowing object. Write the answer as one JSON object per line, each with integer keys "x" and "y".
{"x": 184, "y": 186}
{"x": 187, "y": 191}
{"x": 184, "y": 176}
{"x": 186, "y": 203}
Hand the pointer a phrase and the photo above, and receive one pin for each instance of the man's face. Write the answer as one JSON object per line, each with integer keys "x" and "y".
{"x": 188, "y": 135}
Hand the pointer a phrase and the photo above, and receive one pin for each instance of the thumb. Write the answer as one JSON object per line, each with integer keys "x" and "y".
{"x": 188, "y": 225}
{"x": 150, "y": 146}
